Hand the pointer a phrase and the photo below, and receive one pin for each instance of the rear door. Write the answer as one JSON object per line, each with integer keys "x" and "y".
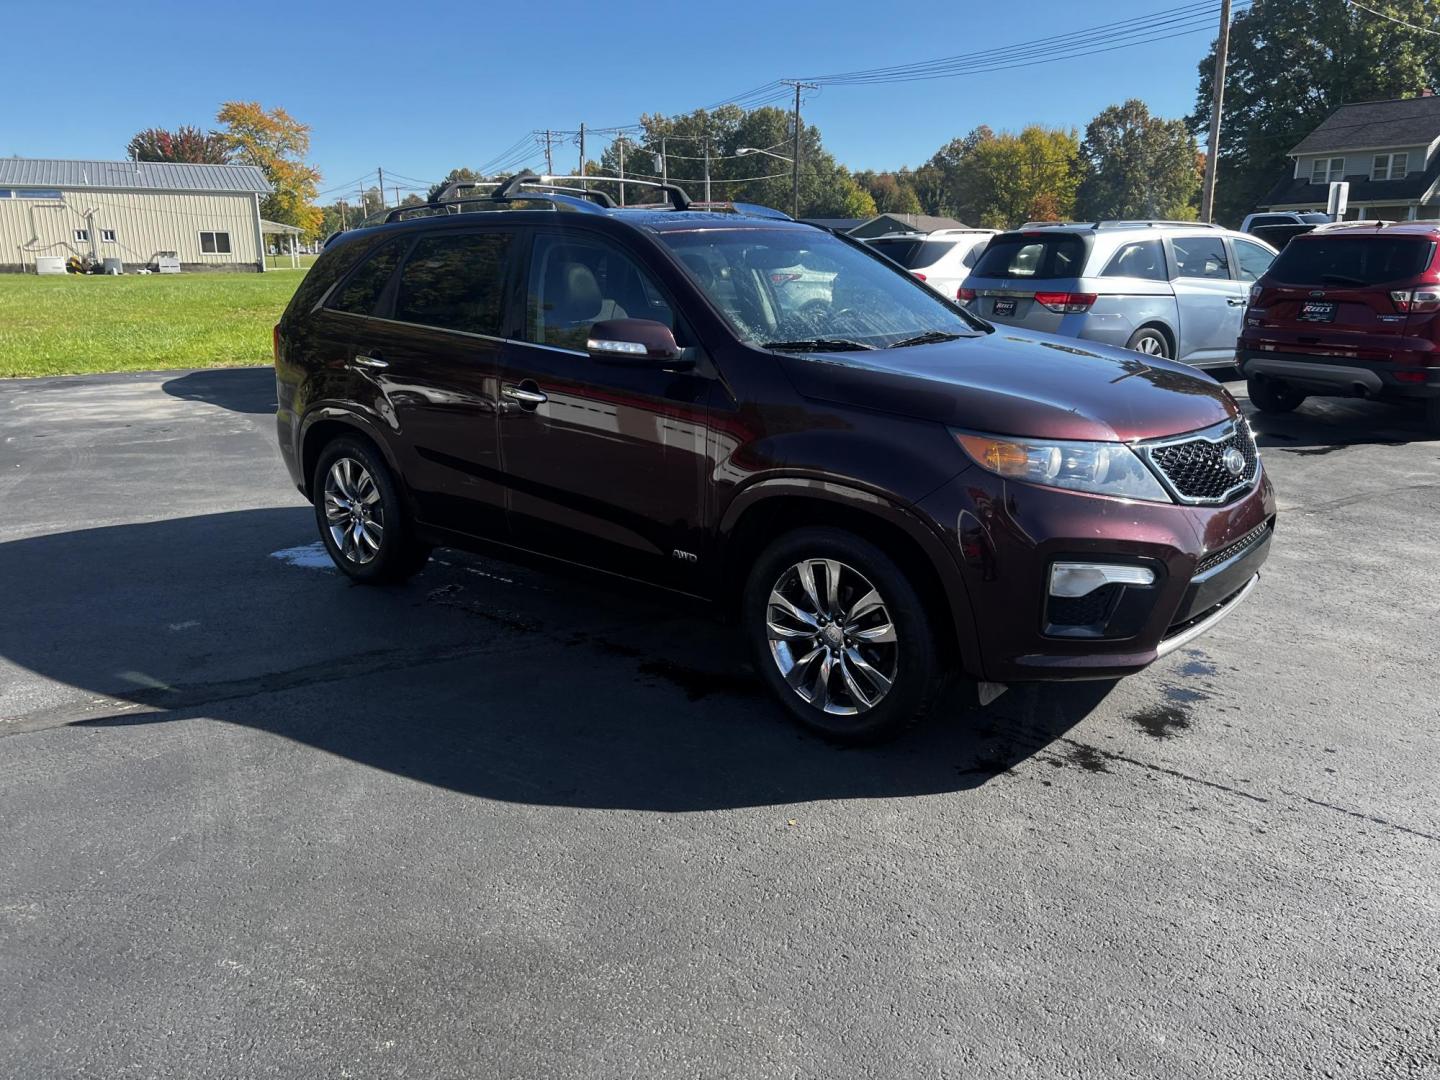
{"x": 1209, "y": 298}
{"x": 1015, "y": 266}
{"x": 437, "y": 356}
{"x": 605, "y": 463}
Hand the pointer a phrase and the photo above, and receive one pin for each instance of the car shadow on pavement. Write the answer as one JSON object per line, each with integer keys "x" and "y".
{"x": 245, "y": 390}
{"x": 1324, "y": 425}
{"x": 483, "y": 678}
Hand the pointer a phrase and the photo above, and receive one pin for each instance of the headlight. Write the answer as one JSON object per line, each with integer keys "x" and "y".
{"x": 1102, "y": 468}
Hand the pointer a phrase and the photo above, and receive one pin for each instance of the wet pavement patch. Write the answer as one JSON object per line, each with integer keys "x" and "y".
{"x": 1163, "y": 721}
{"x": 1087, "y": 757}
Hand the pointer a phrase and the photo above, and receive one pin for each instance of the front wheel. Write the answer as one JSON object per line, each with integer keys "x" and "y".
{"x": 361, "y": 518}
{"x": 1273, "y": 396}
{"x": 841, "y": 636}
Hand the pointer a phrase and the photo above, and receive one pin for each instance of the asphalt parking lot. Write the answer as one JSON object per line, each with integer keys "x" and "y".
{"x": 255, "y": 821}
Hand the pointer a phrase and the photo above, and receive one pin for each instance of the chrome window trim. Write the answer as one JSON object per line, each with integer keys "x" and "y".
{"x": 461, "y": 333}
{"x": 1216, "y": 433}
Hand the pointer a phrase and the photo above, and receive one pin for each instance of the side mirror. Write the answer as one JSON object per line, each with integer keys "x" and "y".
{"x": 638, "y": 342}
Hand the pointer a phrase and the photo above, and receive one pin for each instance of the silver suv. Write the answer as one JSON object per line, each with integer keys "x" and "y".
{"x": 1166, "y": 288}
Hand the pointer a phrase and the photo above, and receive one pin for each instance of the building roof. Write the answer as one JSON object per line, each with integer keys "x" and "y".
{"x": 273, "y": 227}
{"x": 131, "y": 175}
{"x": 834, "y": 224}
{"x": 1363, "y": 125}
{"x": 1298, "y": 191}
{"x": 916, "y": 223}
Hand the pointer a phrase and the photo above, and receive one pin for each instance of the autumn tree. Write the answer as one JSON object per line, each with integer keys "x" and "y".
{"x": 277, "y": 143}
{"x": 892, "y": 192}
{"x": 461, "y": 175}
{"x": 1291, "y": 64}
{"x": 185, "y": 144}
{"x": 1009, "y": 178}
{"x": 1135, "y": 165}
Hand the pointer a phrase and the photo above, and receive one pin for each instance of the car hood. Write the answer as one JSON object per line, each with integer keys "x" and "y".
{"x": 1021, "y": 383}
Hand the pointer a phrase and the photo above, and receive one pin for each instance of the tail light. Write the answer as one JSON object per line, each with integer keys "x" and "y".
{"x": 918, "y": 274}
{"x": 963, "y": 294}
{"x": 1066, "y": 303}
{"x": 1412, "y": 300}
{"x": 1255, "y": 291}
{"x": 275, "y": 342}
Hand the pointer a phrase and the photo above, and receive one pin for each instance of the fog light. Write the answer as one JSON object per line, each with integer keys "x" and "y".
{"x": 1073, "y": 579}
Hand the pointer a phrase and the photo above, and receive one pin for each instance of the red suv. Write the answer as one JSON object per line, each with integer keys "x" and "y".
{"x": 1349, "y": 309}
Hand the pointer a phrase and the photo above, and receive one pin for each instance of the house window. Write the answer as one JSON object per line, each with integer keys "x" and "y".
{"x": 1389, "y": 166}
{"x": 82, "y": 236}
{"x": 1326, "y": 170}
{"x": 215, "y": 243}
{"x": 37, "y": 193}
{"x": 107, "y": 236}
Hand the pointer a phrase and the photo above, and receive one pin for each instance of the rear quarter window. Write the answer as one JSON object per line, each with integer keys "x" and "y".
{"x": 1315, "y": 259}
{"x": 912, "y": 254}
{"x": 1025, "y": 255}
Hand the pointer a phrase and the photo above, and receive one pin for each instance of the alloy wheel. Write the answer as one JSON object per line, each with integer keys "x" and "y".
{"x": 832, "y": 637}
{"x": 354, "y": 511}
{"x": 1151, "y": 345}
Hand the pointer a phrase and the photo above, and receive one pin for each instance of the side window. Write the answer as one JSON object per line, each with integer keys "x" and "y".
{"x": 1254, "y": 260}
{"x": 455, "y": 282}
{"x": 1200, "y": 257}
{"x": 1145, "y": 259}
{"x": 363, "y": 288}
{"x": 577, "y": 281}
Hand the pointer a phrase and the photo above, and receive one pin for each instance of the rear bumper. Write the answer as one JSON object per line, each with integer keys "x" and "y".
{"x": 1008, "y": 536}
{"x": 1341, "y": 375}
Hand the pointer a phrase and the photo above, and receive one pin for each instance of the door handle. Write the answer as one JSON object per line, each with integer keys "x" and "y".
{"x": 1236, "y": 301}
{"x": 526, "y": 398}
{"x": 371, "y": 362}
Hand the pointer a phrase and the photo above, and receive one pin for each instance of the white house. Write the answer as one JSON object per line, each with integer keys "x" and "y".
{"x": 1389, "y": 151}
{"x": 209, "y": 215}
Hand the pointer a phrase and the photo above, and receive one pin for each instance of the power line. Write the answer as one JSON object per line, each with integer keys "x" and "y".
{"x": 1391, "y": 18}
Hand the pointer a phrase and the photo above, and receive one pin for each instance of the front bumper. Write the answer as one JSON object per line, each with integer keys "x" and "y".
{"x": 1006, "y": 537}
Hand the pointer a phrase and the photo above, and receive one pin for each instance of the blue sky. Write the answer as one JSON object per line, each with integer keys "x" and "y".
{"x": 424, "y": 87}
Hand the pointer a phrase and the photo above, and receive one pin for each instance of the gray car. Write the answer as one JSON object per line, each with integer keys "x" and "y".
{"x": 1172, "y": 289}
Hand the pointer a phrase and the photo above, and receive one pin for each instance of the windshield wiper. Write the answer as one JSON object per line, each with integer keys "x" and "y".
{"x": 1340, "y": 279}
{"x": 817, "y": 345}
{"x": 927, "y": 338}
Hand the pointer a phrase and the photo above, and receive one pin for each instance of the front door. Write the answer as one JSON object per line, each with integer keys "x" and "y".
{"x": 1209, "y": 298}
{"x": 605, "y": 463}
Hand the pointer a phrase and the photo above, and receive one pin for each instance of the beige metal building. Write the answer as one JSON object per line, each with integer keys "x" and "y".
{"x": 208, "y": 215}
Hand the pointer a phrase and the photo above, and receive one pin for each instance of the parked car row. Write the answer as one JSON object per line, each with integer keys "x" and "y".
{"x": 887, "y": 491}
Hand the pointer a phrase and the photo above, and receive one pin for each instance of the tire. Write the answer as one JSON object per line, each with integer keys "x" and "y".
{"x": 1432, "y": 417}
{"x": 1273, "y": 396}
{"x": 383, "y": 548}
{"x": 878, "y": 685}
{"x": 1151, "y": 341}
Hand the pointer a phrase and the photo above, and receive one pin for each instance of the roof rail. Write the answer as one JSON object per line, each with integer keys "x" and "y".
{"x": 1150, "y": 223}
{"x": 679, "y": 200}
{"x": 1055, "y": 224}
{"x": 1336, "y": 226}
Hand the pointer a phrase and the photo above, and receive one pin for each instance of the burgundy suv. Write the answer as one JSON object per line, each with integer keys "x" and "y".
{"x": 1348, "y": 310}
{"x": 887, "y": 490}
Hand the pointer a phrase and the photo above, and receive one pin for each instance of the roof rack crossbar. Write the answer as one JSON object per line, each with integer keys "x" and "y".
{"x": 678, "y": 198}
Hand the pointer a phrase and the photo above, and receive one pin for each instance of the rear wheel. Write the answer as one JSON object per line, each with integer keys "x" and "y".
{"x": 361, "y": 518}
{"x": 841, "y": 636}
{"x": 1432, "y": 416}
{"x": 1273, "y": 396}
{"x": 1151, "y": 341}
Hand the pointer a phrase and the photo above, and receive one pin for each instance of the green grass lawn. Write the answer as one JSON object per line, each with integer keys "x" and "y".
{"x": 72, "y": 325}
{"x": 282, "y": 262}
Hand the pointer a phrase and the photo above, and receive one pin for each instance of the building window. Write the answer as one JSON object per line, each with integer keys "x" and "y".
{"x": 36, "y": 193}
{"x": 82, "y": 236}
{"x": 1389, "y": 166}
{"x": 5, "y": 193}
{"x": 107, "y": 236}
{"x": 1327, "y": 170}
{"x": 215, "y": 243}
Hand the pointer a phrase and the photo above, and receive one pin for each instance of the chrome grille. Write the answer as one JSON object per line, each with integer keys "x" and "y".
{"x": 1193, "y": 467}
{"x": 1245, "y": 543}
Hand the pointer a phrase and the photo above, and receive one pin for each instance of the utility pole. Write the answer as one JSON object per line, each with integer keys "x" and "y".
{"x": 344, "y": 221}
{"x": 397, "y": 194}
{"x": 363, "y": 214}
{"x": 381, "y": 174}
{"x": 549, "y": 160}
{"x": 795, "y": 152}
{"x": 621, "y": 141}
{"x": 707, "y": 168}
{"x": 664, "y": 163}
{"x": 583, "y": 183}
{"x": 1217, "y": 105}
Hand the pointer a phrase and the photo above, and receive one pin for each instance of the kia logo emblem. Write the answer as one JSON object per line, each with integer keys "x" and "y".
{"x": 1234, "y": 461}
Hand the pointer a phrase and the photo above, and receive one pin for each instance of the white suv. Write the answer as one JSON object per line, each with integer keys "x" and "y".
{"x": 941, "y": 259}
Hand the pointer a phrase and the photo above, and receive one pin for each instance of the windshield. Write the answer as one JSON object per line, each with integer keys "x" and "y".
{"x": 1033, "y": 255}
{"x": 1319, "y": 259}
{"x": 806, "y": 289}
